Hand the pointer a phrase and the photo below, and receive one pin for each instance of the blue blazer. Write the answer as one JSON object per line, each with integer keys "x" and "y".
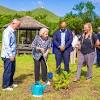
{"x": 57, "y": 41}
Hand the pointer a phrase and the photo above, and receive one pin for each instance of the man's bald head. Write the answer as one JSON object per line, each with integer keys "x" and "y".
{"x": 15, "y": 24}
{"x": 62, "y": 24}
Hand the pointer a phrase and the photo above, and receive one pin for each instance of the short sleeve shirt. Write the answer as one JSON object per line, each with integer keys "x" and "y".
{"x": 88, "y": 44}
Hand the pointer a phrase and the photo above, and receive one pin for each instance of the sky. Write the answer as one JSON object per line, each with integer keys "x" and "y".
{"x": 59, "y": 7}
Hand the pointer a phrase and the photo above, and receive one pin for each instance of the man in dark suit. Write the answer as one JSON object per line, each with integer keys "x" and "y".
{"x": 62, "y": 40}
{"x": 98, "y": 49}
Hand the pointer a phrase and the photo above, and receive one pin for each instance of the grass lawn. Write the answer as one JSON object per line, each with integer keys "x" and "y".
{"x": 25, "y": 77}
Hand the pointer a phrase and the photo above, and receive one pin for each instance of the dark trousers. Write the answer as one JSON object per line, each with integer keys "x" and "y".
{"x": 9, "y": 70}
{"x": 98, "y": 57}
{"x": 37, "y": 64}
{"x": 65, "y": 56}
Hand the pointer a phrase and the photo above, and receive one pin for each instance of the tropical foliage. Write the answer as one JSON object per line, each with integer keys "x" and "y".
{"x": 80, "y": 14}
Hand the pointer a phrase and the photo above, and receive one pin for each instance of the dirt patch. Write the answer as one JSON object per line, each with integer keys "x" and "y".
{"x": 64, "y": 92}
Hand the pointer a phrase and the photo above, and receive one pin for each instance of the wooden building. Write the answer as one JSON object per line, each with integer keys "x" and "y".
{"x": 25, "y": 34}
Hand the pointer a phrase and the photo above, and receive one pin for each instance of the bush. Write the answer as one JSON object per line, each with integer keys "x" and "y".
{"x": 61, "y": 81}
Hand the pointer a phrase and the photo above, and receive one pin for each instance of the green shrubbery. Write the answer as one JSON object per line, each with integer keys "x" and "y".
{"x": 61, "y": 81}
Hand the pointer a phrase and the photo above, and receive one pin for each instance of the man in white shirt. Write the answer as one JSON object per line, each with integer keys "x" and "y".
{"x": 8, "y": 54}
{"x": 62, "y": 46}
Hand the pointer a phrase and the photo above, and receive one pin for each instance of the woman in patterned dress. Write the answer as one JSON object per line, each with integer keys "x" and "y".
{"x": 41, "y": 46}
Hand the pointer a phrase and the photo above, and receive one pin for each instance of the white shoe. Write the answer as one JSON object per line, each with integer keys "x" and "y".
{"x": 14, "y": 85}
{"x": 8, "y": 89}
{"x": 48, "y": 83}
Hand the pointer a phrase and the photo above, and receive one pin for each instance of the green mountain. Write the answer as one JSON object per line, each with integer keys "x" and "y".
{"x": 43, "y": 15}
{"x": 51, "y": 17}
{"x": 39, "y": 12}
{"x": 5, "y": 10}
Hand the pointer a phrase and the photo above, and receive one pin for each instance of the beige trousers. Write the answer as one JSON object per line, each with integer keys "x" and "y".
{"x": 73, "y": 56}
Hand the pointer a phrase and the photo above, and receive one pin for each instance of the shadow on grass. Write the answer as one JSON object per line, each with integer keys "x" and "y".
{"x": 83, "y": 73}
{"x": 22, "y": 77}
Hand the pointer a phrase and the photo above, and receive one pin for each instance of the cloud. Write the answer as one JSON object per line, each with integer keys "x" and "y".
{"x": 40, "y": 4}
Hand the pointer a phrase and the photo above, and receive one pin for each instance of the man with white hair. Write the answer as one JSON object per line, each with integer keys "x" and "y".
{"x": 8, "y": 54}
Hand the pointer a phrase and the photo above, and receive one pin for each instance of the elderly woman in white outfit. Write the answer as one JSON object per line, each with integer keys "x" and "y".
{"x": 74, "y": 45}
